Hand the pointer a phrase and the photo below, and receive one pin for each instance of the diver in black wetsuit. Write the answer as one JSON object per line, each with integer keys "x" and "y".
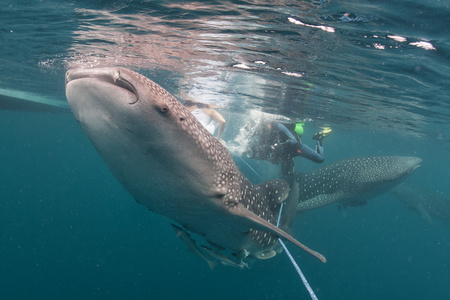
{"x": 280, "y": 143}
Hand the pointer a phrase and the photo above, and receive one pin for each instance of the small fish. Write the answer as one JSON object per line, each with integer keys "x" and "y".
{"x": 225, "y": 260}
{"x": 192, "y": 245}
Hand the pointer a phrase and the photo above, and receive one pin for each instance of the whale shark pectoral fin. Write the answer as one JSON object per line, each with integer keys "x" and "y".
{"x": 259, "y": 223}
{"x": 423, "y": 213}
{"x": 276, "y": 192}
{"x": 320, "y": 201}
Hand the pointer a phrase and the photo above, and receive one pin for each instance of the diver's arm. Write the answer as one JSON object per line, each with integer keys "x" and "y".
{"x": 305, "y": 151}
{"x": 216, "y": 116}
{"x": 291, "y": 139}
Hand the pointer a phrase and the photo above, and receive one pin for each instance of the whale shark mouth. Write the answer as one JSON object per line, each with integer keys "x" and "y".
{"x": 415, "y": 167}
{"x": 417, "y": 164}
{"x": 112, "y": 77}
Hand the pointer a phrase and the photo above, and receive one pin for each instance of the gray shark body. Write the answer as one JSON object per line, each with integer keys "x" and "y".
{"x": 429, "y": 205}
{"x": 173, "y": 166}
{"x": 352, "y": 181}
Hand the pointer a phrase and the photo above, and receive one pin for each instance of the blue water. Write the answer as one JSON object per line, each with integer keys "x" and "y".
{"x": 68, "y": 230}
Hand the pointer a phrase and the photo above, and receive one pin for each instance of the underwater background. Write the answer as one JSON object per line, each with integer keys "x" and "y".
{"x": 376, "y": 72}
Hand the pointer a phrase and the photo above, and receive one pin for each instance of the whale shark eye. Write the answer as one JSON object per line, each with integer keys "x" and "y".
{"x": 164, "y": 109}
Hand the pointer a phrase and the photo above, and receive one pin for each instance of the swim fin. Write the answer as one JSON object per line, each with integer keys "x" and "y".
{"x": 323, "y": 133}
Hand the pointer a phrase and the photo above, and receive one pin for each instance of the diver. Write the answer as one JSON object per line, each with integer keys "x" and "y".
{"x": 207, "y": 116}
{"x": 279, "y": 143}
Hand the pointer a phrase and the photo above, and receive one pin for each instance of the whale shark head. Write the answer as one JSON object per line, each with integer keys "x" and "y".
{"x": 142, "y": 131}
{"x": 172, "y": 165}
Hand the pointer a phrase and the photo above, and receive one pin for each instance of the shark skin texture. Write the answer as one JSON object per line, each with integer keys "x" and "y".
{"x": 353, "y": 181}
{"x": 428, "y": 204}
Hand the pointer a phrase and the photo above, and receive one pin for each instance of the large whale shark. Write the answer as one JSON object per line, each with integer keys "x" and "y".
{"x": 353, "y": 181}
{"x": 173, "y": 166}
{"x": 430, "y": 205}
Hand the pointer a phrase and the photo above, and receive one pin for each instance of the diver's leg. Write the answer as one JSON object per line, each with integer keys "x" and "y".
{"x": 306, "y": 152}
{"x": 287, "y": 167}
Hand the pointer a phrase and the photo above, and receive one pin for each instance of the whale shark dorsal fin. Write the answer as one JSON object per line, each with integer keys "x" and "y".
{"x": 275, "y": 191}
{"x": 256, "y": 222}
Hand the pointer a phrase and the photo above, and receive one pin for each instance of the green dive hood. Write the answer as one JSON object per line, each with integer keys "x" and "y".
{"x": 299, "y": 129}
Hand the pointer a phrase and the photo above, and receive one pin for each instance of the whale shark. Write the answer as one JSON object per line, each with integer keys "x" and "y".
{"x": 430, "y": 205}
{"x": 173, "y": 166}
{"x": 353, "y": 181}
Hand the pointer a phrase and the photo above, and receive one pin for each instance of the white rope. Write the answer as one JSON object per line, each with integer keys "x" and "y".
{"x": 305, "y": 282}
{"x": 300, "y": 273}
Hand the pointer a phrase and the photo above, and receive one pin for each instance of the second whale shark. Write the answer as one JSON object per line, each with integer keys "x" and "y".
{"x": 428, "y": 204}
{"x": 353, "y": 181}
